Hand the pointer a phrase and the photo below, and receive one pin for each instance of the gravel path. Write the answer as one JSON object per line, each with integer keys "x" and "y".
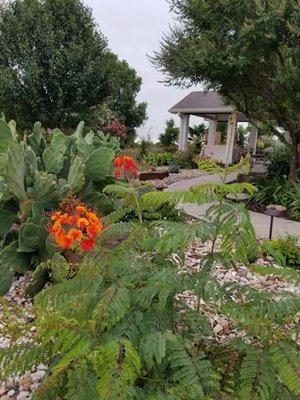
{"x": 183, "y": 175}
{"x": 223, "y": 327}
{"x": 17, "y": 326}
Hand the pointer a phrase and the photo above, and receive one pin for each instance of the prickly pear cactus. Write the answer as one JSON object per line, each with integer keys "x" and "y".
{"x": 36, "y": 173}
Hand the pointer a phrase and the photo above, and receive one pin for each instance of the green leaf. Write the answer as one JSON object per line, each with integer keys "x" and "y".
{"x": 15, "y": 172}
{"x": 76, "y": 178}
{"x": 60, "y": 268}
{"x": 99, "y": 164}
{"x": 6, "y": 139}
{"x": 100, "y": 201}
{"x": 36, "y": 139}
{"x": 14, "y": 260}
{"x": 6, "y": 279}
{"x": 33, "y": 233}
{"x": 53, "y": 156}
{"x": 7, "y": 218}
{"x": 45, "y": 190}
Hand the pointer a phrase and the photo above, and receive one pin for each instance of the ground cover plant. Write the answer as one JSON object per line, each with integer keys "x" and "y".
{"x": 37, "y": 172}
{"x": 274, "y": 188}
{"x": 121, "y": 330}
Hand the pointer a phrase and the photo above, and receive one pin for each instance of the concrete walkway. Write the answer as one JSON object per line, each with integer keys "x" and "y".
{"x": 261, "y": 222}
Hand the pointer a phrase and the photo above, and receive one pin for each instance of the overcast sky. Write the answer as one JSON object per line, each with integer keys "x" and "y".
{"x": 134, "y": 29}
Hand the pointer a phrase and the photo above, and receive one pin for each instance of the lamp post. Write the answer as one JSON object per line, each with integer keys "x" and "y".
{"x": 275, "y": 211}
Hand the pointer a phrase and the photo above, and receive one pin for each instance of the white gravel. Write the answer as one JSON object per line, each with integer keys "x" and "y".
{"x": 183, "y": 175}
{"x": 16, "y": 326}
{"x": 223, "y": 327}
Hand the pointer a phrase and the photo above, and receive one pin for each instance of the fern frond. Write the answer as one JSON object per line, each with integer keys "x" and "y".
{"x": 285, "y": 359}
{"x": 286, "y": 273}
{"x": 112, "y": 308}
{"x": 117, "y": 366}
{"x": 157, "y": 199}
{"x": 119, "y": 190}
{"x": 257, "y": 377}
{"x": 117, "y": 215}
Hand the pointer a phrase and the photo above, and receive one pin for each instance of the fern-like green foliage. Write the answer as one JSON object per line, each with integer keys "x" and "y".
{"x": 119, "y": 330}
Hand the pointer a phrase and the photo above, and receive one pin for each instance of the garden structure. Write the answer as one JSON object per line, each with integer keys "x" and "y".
{"x": 211, "y": 106}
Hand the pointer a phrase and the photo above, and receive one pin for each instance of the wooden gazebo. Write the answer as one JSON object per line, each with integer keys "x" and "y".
{"x": 211, "y": 106}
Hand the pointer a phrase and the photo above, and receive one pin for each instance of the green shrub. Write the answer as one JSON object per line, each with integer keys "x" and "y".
{"x": 272, "y": 191}
{"x": 36, "y": 173}
{"x": 285, "y": 252}
{"x": 159, "y": 159}
{"x": 294, "y": 194}
{"x": 279, "y": 163}
{"x": 185, "y": 159}
{"x": 120, "y": 329}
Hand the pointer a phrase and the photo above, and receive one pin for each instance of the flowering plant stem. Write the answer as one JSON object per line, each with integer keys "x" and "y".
{"x": 137, "y": 203}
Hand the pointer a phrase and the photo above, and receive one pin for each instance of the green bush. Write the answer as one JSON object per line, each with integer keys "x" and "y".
{"x": 279, "y": 163}
{"x": 159, "y": 159}
{"x": 185, "y": 159}
{"x": 121, "y": 330}
{"x": 285, "y": 252}
{"x": 294, "y": 194}
{"x": 272, "y": 191}
{"x": 36, "y": 173}
{"x": 277, "y": 190}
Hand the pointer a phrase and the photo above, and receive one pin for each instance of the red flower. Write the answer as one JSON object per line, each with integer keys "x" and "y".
{"x": 125, "y": 164}
{"x": 87, "y": 244}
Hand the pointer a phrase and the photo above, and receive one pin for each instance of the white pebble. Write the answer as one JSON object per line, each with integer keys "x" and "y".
{"x": 23, "y": 396}
{"x": 38, "y": 376}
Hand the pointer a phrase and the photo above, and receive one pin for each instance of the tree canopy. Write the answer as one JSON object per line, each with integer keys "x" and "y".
{"x": 170, "y": 135}
{"x": 248, "y": 50}
{"x": 56, "y": 66}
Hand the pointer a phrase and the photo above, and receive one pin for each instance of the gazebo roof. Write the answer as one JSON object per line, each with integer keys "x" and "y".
{"x": 206, "y": 104}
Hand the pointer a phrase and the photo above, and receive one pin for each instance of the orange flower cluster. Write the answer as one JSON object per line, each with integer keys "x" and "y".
{"x": 74, "y": 224}
{"x": 125, "y": 165}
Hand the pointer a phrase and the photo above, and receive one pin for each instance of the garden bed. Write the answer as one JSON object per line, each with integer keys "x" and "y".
{"x": 183, "y": 174}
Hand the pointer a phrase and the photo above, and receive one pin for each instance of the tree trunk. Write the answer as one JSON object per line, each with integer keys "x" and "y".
{"x": 295, "y": 162}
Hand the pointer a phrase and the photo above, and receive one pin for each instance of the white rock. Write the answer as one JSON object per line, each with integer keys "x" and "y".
{"x": 218, "y": 328}
{"x": 11, "y": 393}
{"x": 23, "y": 396}
{"x": 5, "y": 343}
{"x": 42, "y": 367}
{"x": 38, "y": 376}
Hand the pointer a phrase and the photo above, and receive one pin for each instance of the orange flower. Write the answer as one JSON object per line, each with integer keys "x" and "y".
{"x": 125, "y": 165}
{"x": 65, "y": 242}
{"x": 82, "y": 222}
{"x": 56, "y": 227}
{"x": 92, "y": 217}
{"x": 75, "y": 234}
{"x": 63, "y": 219}
{"x": 75, "y": 225}
{"x": 56, "y": 216}
{"x": 81, "y": 210}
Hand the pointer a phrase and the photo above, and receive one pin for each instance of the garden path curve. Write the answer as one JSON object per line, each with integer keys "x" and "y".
{"x": 261, "y": 222}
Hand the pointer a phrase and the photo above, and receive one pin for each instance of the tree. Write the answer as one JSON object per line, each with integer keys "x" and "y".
{"x": 249, "y": 51}
{"x": 171, "y": 134}
{"x": 123, "y": 102}
{"x": 55, "y": 66}
{"x": 197, "y": 134}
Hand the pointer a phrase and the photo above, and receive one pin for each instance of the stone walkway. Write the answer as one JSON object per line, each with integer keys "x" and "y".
{"x": 261, "y": 222}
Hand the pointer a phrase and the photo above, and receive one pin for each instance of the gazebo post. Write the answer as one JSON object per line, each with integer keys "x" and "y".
{"x": 253, "y": 138}
{"x": 230, "y": 138}
{"x": 212, "y": 131}
{"x": 184, "y": 131}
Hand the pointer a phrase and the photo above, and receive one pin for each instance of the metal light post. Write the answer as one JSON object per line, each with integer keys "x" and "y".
{"x": 275, "y": 211}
